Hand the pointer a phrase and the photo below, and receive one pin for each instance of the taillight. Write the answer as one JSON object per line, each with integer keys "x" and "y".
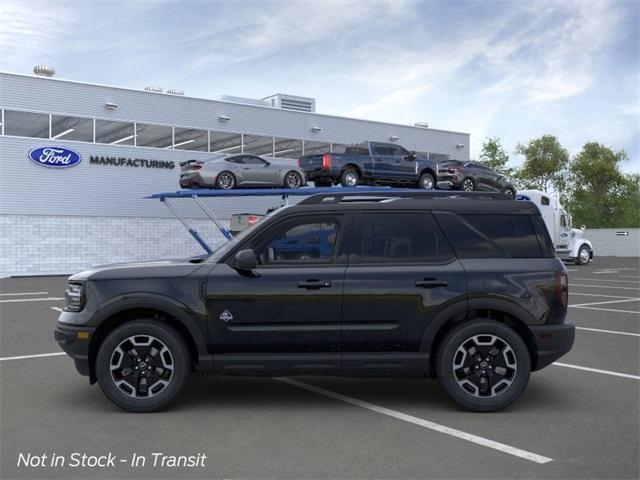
{"x": 326, "y": 161}
{"x": 299, "y": 163}
{"x": 454, "y": 170}
{"x": 562, "y": 289}
{"x": 252, "y": 220}
{"x": 196, "y": 167}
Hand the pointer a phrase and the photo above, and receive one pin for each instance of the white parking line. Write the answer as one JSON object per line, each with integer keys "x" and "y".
{"x": 22, "y": 293}
{"x": 14, "y": 300}
{"x": 597, "y": 370}
{"x": 610, "y": 310}
{"x": 57, "y": 309}
{"x": 596, "y": 295}
{"x": 628, "y": 276}
{"x": 603, "y": 286}
{"x": 23, "y": 357}
{"x": 603, "y": 280}
{"x": 604, "y": 303}
{"x": 608, "y": 331}
{"x": 485, "y": 442}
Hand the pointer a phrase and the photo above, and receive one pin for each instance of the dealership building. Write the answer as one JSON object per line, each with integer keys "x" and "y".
{"x": 128, "y": 144}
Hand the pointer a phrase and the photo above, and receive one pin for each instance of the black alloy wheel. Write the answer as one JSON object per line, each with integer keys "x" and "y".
{"x": 483, "y": 364}
{"x": 142, "y": 365}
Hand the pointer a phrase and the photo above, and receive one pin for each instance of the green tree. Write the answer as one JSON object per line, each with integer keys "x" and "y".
{"x": 601, "y": 196}
{"x": 545, "y": 164}
{"x": 494, "y": 156}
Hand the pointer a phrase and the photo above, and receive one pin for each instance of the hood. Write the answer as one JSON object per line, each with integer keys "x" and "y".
{"x": 577, "y": 233}
{"x": 173, "y": 268}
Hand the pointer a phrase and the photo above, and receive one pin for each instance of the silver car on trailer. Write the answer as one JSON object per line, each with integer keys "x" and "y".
{"x": 226, "y": 172}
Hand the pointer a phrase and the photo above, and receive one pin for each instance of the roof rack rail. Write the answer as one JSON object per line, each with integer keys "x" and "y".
{"x": 386, "y": 195}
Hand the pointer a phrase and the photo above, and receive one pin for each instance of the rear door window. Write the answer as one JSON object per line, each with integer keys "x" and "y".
{"x": 399, "y": 238}
{"x": 467, "y": 241}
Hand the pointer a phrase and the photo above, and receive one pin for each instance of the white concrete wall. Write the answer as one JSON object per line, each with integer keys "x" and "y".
{"x": 49, "y": 245}
{"x": 607, "y": 244}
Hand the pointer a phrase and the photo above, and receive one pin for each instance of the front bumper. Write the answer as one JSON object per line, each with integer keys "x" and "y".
{"x": 74, "y": 340}
{"x": 552, "y": 342}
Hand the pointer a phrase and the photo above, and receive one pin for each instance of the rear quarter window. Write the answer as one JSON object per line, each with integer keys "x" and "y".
{"x": 491, "y": 235}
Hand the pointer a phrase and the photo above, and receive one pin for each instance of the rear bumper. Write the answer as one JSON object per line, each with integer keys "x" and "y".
{"x": 449, "y": 180}
{"x": 552, "y": 342}
{"x": 77, "y": 347}
{"x": 188, "y": 180}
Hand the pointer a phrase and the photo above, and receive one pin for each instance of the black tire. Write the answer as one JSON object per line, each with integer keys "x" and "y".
{"x": 175, "y": 368}
{"x": 427, "y": 181}
{"x": 349, "y": 177}
{"x": 510, "y": 192}
{"x": 225, "y": 180}
{"x": 292, "y": 180}
{"x": 584, "y": 255}
{"x": 506, "y": 373}
{"x": 468, "y": 185}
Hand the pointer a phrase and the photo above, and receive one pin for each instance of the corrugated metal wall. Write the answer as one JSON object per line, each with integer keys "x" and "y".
{"x": 98, "y": 190}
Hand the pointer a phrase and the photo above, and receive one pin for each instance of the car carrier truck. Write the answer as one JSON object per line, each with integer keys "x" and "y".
{"x": 569, "y": 242}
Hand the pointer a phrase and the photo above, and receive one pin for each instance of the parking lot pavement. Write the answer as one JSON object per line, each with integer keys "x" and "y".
{"x": 586, "y": 422}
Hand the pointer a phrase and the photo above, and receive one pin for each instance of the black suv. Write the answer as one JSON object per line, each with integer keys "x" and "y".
{"x": 464, "y": 287}
{"x": 470, "y": 176}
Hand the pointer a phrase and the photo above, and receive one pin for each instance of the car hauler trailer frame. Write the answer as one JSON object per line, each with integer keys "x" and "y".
{"x": 329, "y": 192}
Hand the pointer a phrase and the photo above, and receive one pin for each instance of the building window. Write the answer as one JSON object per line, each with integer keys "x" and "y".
{"x": 190, "y": 139}
{"x": 114, "y": 133}
{"x": 71, "y": 128}
{"x": 258, "y": 145}
{"x": 287, "y": 148}
{"x": 158, "y": 136}
{"x": 26, "y": 124}
{"x": 316, "y": 148}
{"x": 225, "y": 143}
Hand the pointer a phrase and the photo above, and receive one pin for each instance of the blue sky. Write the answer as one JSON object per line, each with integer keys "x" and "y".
{"x": 513, "y": 70}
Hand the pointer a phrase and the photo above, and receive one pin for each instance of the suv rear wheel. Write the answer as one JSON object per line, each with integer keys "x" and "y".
{"x": 483, "y": 364}
{"x": 142, "y": 365}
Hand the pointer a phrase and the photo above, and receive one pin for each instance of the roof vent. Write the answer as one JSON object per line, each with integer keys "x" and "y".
{"x": 421, "y": 124}
{"x": 291, "y": 102}
{"x": 153, "y": 88}
{"x": 175, "y": 91}
{"x": 44, "y": 71}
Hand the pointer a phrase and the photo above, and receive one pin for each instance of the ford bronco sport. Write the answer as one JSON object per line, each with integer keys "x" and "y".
{"x": 464, "y": 287}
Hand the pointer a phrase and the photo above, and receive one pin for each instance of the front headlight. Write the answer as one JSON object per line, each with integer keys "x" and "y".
{"x": 74, "y": 297}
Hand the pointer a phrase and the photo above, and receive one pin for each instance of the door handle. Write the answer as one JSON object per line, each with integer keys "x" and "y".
{"x": 314, "y": 284}
{"x": 431, "y": 283}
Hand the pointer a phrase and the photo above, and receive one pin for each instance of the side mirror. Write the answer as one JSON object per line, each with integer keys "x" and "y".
{"x": 583, "y": 228}
{"x": 411, "y": 157}
{"x": 245, "y": 260}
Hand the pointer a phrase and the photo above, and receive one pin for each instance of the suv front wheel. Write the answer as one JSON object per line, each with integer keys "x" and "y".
{"x": 142, "y": 365}
{"x": 483, "y": 364}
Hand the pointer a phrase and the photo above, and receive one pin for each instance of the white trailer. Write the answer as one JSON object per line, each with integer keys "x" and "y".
{"x": 569, "y": 242}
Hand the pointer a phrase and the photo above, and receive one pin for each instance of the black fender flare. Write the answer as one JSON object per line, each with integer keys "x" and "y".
{"x": 181, "y": 312}
{"x": 462, "y": 308}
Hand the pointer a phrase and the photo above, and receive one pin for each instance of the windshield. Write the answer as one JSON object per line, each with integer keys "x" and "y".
{"x": 227, "y": 246}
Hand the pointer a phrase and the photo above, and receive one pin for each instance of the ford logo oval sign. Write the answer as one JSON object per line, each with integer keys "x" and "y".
{"x": 55, "y": 157}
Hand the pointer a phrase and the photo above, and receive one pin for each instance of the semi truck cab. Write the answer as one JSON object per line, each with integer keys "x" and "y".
{"x": 569, "y": 242}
